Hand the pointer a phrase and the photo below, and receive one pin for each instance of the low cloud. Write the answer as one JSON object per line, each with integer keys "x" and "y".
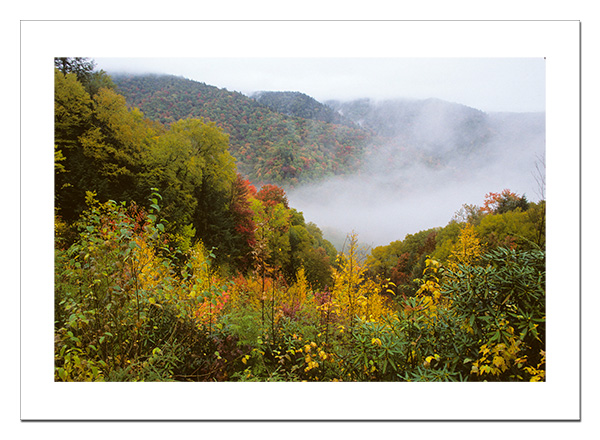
{"x": 419, "y": 182}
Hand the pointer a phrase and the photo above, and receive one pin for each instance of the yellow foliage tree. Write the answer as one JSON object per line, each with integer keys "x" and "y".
{"x": 430, "y": 290}
{"x": 299, "y": 298}
{"x": 467, "y": 249}
{"x": 353, "y": 294}
{"x": 203, "y": 296}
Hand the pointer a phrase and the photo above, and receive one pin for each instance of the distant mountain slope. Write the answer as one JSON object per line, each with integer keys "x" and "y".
{"x": 443, "y": 135}
{"x": 289, "y": 138}
{"x": 436, "y": 155}
{"x": 270, "y": 147}
{"x": 300, "y": 105}
{"x": 432, "y": 125}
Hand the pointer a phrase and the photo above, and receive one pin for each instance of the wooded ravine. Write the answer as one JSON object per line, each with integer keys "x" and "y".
{"x": 179, "y": 255}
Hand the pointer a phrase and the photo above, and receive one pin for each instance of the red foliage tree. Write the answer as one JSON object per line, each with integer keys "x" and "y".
{"x": 242, "y": 215}
{"x": 498, "y": 203}
{"x": 272, "y": 195}
{"x": 401, "y": 273}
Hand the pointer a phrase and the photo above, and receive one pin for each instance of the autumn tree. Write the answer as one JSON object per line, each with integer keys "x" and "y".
{"x": 102, "y": 142}
{"x": 403, "y": 261}
{"x": 499, "y": 203}
{"x": 72, "y": 118}
{"x": 468, "y": 248}
{"x": 347, "y": 280}
{"x": 514, "y": 228}
{"x": 114, "y": 147}
{"x": 272, "y": 225}
{"x": 208, "y": 150}
{"x": 310, "y": 251}
{"x": 401, "y": 274}
{"x": 271, "y": 195}
{"x": 245, "y": 227}
{"x": 319, "y": 258}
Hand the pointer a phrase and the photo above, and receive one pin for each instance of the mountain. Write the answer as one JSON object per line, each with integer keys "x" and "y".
{"x": 300, "y": 105}
{"x": 269, "y": 146}
{"x": 290, "y": 139}
{"x": 431, "y": 157}
{"x": 432, "y": 125}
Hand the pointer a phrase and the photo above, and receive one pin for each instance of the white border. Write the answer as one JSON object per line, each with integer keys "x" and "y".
{"x": 558, "y": 398}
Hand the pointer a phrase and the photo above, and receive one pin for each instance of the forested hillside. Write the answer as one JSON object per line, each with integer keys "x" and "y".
{"x": 290, "y": 139}
{"x": 409, "y": 120}
{"x": 270, "y": 147}
{"x": 300, "y": 105}
{"x": 440, "y": 130}
{"x": 170, "y": 265}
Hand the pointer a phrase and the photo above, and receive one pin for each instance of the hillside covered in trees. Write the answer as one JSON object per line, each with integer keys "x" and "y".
{"x": 301, "y": 105}
{"x": 290, "y": 139}
{"x": 171, "y": 265}
{"x": 270, "y": 146}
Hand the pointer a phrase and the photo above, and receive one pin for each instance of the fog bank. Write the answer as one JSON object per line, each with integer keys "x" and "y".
{"x": 424, "y": 174}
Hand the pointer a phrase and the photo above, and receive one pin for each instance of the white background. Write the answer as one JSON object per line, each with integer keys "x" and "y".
{"x": 41, "y": 398}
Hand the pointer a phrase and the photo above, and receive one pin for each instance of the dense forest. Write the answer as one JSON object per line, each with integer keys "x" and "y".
{"x": 301, "y": 105}
{"x": 175, "y": 263}
{"x": 270, "y": 146}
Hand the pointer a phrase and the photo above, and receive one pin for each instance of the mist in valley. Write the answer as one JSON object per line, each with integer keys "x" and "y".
{"x": 429, "y": 156}
{"x": 435, "y": 157}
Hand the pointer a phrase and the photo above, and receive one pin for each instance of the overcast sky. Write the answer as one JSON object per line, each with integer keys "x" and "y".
{"x": 488, "y": 84}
